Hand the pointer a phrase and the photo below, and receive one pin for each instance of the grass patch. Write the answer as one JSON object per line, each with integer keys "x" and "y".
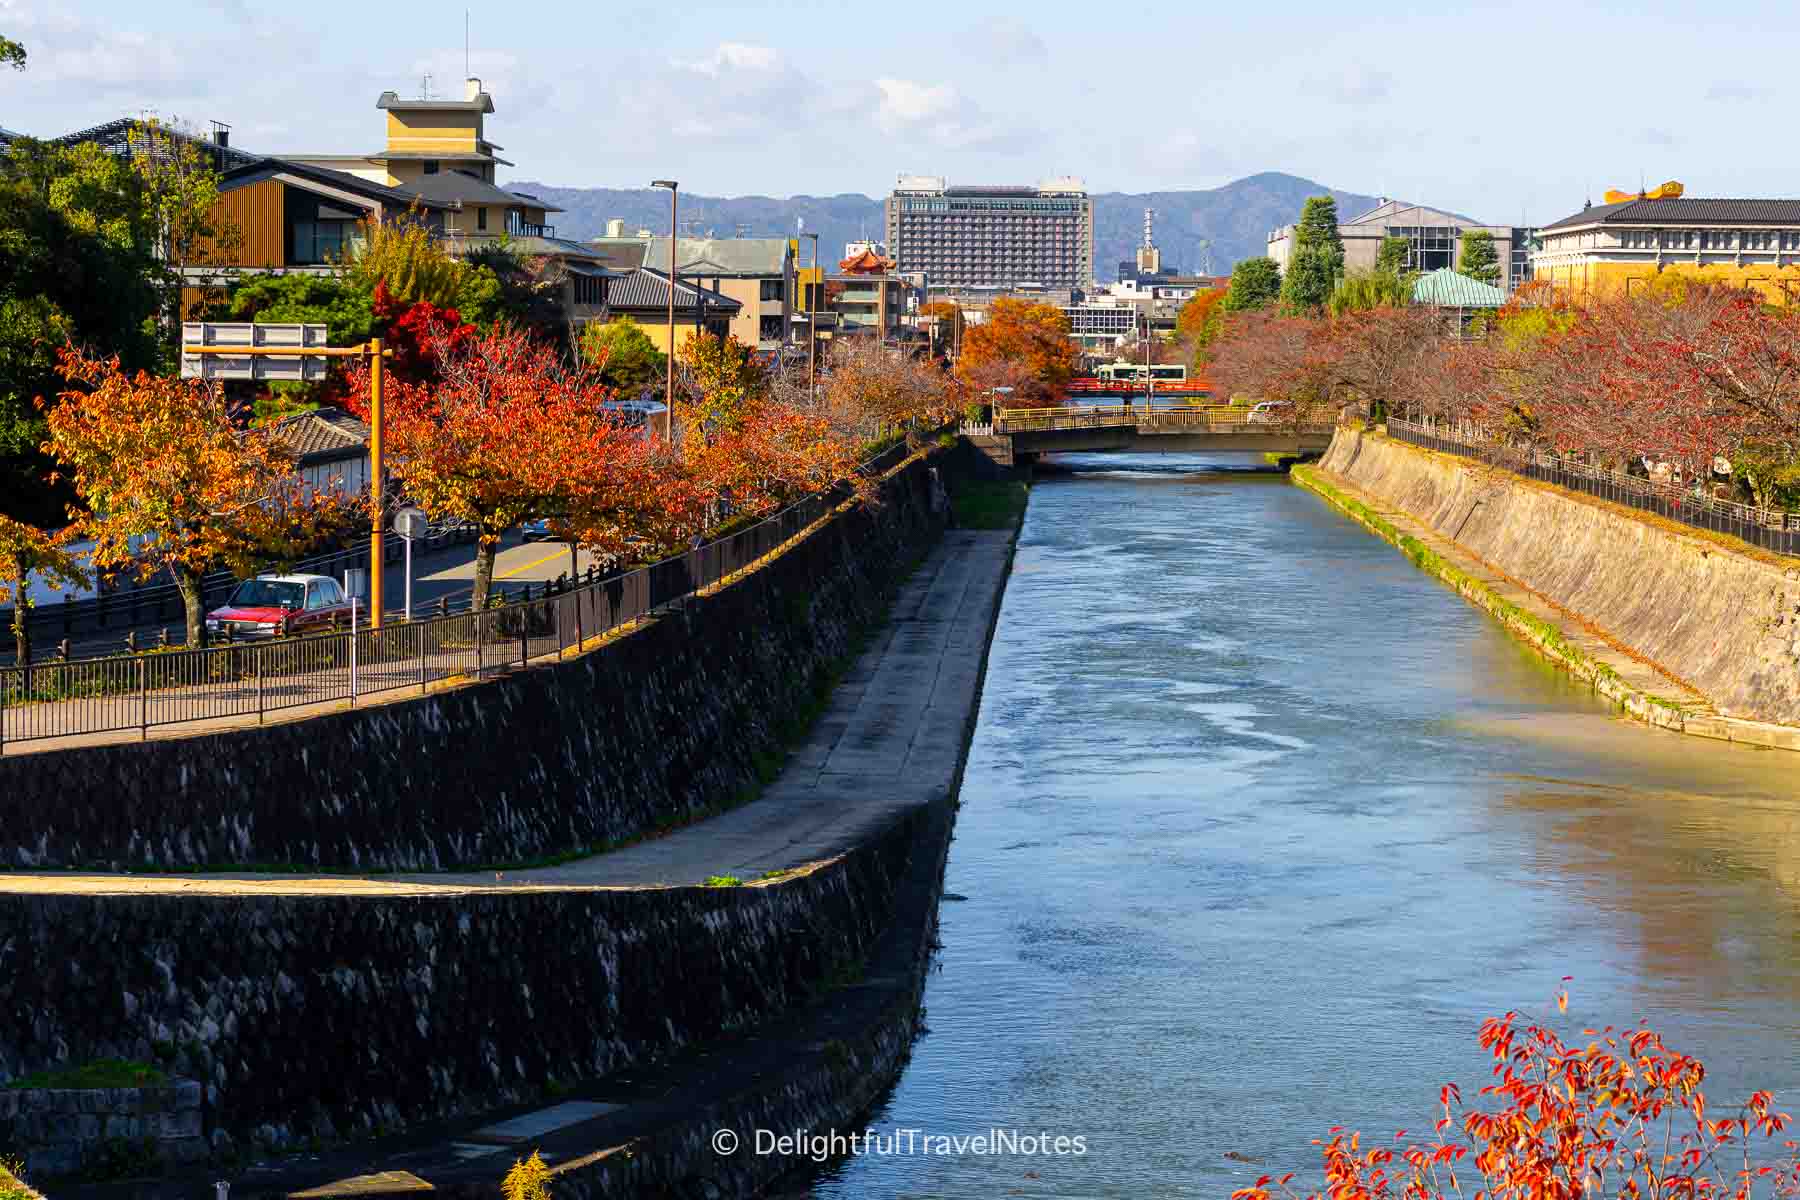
{"x": 722, "y": 881}
{"x": 990, "y": 504}
{"x": 103, "y": 1073}
{"x": 11, "y": 1185}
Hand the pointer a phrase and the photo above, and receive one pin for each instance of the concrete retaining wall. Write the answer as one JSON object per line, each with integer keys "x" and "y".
{"x": 657, "y": 727}
{"x": 1725, "y": 623}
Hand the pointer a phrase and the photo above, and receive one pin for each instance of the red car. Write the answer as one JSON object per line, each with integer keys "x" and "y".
{"x": 278, "y": 605}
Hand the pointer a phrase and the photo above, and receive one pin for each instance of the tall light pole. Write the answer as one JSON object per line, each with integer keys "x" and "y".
{"x": 669, "y": 381}
{"x": 1148, "y": 400}
{"x": 812, "y": 325}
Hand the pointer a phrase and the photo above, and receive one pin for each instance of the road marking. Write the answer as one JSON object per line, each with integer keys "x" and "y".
{"x": 536, "y": 562}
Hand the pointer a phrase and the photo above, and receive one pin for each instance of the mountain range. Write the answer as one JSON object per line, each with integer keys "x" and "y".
{"x": 1196, "y": 230}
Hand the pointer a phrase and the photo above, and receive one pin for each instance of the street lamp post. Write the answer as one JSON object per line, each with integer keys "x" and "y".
{"x": 669, "y": 380}
{"x": 1148, "y": 396}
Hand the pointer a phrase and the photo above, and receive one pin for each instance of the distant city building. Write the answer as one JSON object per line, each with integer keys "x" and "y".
{"x": 1434, "y": 240}
{"x": 1606, "y": 248}
{"x": 999, "y": 238}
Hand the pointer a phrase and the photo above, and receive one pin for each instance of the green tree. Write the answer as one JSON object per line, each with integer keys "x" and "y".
{"x": 1392, "y": 256}
{"x": 1478, "y": 259}
{"x": 340, "y": 305}
{"x": 721, "y": 383}
{"x": 1318, "y": 260}
{"x": 414, "y": 263}
{"x": 12, "y": 54}
{"x": 178, "y": 192}
{"x": 1376, "y": 288}
{"x": 1255, "y": 283}
{"x": 525, "y": 291}
{"x": 632, "y": 361}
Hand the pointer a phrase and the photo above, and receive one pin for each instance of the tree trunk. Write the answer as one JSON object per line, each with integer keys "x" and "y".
{"x": 485, "y": 549}
{"x": 193, "y": 602}
{"x": 20, "y": 629}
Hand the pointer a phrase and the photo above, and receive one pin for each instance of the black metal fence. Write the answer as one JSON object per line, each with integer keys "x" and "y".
{"x": 172, "y": 687}
{"x": 112, "y": 613}
{"x": 1771, "y": 528}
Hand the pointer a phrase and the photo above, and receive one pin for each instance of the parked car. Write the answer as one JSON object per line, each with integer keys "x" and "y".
{"x": 1270, "y": 412}
{"x": 278, "y": 605}
{"x": 536, "y": 530}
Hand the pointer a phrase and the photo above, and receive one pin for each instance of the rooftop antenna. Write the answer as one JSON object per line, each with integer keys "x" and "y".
{"x": 425, "y": 87}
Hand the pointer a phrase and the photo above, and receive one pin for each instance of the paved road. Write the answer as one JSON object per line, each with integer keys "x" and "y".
{"x": 891, "y": 738}
{"x": 446, "y": 572}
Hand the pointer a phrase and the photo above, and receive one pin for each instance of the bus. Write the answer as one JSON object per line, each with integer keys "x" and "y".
{"x": 1133, "y": 373}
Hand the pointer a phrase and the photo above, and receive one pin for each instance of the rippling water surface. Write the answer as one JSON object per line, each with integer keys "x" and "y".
{"x": 1259, "y": 823}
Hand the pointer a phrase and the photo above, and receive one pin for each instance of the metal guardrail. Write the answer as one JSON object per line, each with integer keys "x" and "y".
{"x": 160, "y": 688}
{"x": 1171, "y": 419}
{"x": 1771, "y": 528}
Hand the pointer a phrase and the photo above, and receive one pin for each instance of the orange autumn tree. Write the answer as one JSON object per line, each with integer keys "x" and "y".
{"x": 1032, "y": 340}
{"x": 506, "y": 431}
{"x": 170, "y": 483}
{"x": 1198, "y": 323}
{"x": 1619, "y": 1115}
{"x": 26, "y": 550}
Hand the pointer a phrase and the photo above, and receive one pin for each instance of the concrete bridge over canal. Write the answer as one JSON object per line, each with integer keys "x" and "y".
{"x": 1020, "y": 435}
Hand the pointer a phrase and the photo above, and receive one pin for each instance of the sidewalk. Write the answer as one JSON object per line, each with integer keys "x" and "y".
{"x": 889, "y": 740}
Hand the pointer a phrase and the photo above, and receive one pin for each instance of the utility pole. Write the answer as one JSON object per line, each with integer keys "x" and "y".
{"x": 1148, "y": 399}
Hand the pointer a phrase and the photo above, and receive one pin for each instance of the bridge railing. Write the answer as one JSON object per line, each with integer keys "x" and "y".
{"x": 1220, "y": 419}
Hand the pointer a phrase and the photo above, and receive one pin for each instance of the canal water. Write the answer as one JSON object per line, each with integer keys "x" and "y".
{"x": 1259, "y": 823}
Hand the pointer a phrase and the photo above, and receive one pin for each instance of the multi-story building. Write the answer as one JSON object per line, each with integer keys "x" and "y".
{"x": 1001, "y": 238}
{"x": 438, "y": 150}
{"x": 758, "y": 273}
{"x": 1609, "y": 248}
{"x": 1434, "y": 240}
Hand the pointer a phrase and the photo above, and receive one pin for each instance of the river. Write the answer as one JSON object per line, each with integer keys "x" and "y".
{"x": 1259, "y": 823}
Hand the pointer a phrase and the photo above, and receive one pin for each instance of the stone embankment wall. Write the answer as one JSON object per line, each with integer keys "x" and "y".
{"x": 61, "y": 1130}
{"x": 655, "y": 728}
{"x": 343, "y": 1014}
{"x": 1727, "y": 624}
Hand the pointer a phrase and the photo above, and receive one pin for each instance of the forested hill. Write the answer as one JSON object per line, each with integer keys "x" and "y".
{"x": 1229, "y": 223}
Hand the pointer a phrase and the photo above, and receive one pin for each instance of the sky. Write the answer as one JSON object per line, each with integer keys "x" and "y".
{"x": 1505, "y": 112}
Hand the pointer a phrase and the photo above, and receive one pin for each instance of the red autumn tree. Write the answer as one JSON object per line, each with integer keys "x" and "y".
{"x": 168, "y": 482}
{"x": 506, "y": 430}
{"x": 1198, "y": 323}
{"x": 1618, "y": 1115}
{"x": 418, "y": 333}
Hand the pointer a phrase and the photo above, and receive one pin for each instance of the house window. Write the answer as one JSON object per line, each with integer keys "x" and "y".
{"x": 481, "y": 218}
{"x": 770, "y": 329}
{"x": 774, "y": 290}
{"x": 589, "y": 290}
{"x": 322, "y": 241}
{"x": 431, "y": 166}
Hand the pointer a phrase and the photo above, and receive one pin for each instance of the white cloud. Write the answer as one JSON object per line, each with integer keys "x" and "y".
{"x": 735, "y": 56}
{"x": 64, "y": 48}
{"x": 904, "y": 102}
{"x": 1353, "y": 85}
{"x": 1006, "y": 42}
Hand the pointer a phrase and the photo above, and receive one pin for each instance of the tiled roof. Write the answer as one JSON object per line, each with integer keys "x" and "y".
{"x": 1444, "y": 288}
{"x": 323, "y": 435}
{"x": 644, "y": 288}
{"x": 447, "y": 187}
{"x": 262, "y": 168}
{"x": 1686, "y": 211}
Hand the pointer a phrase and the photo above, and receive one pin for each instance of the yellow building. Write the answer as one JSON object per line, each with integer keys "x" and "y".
{"x": 438, "y": 149}
{"x": 1608, "y": 249}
